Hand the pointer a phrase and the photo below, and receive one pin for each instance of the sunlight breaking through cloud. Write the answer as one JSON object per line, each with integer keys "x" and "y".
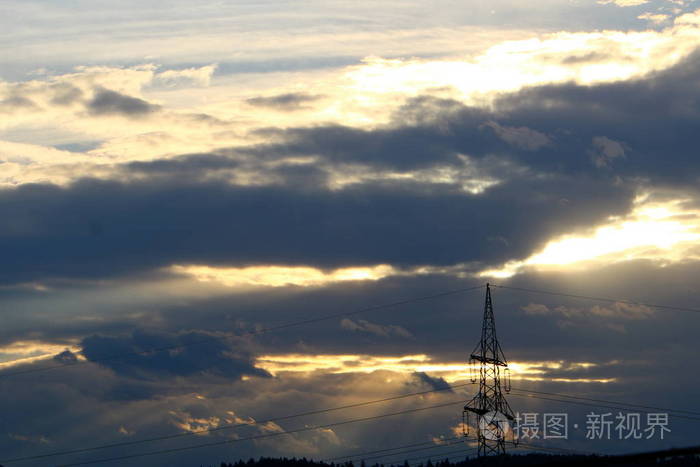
{"x": 664, "y": 231}
{"x": 449, "y": 371}
{"x": 279, "y": 276}
{"x": 29, "y": 351}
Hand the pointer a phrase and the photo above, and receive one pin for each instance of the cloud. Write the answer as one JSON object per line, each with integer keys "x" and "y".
{"x": 332, "y": 38}
{"x": 12, "y": 103}
{"x": 633, "y": 105}
{"x": 654, "y": 18}
{"x": 373, "y": 328}
{"x": 436, "y": 383}
{"x": 218, "y": 405}
{"x": 108, "y": 102}
{"x": 426, "y": 157}
{"x": 534, "y": 128}
{"x": 582, "y": 58}
{"x": 536, "y": 309}
{"x": 199, "y": 352}
{"x": 286, "y": 102}
{"x": 281, "y": 276}
{"x": 66, "y": 357}
{"x": 153, "y": 401}
{"x": 188, "y": 165}
{"x": 65, "y": 94}
{"x": 613, "y": 318}
{"x": 590, "y": 57}
{"x": 623, "y": 3}
{"x": 522, "y": 137}
{"x": 188, "y": 77}
{"x": 617, "y": 310}
{"x": 213, "y": 222}
{"x": 605, "y": 150}
{"x": 76, "y": 111}
{"x": 368, "y": 94}
{"x": 185, "y": 422}
{"x": 664, "y": 231}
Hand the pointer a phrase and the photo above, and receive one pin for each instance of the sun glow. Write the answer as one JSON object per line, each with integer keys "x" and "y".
{"x": 407, "y": 364}
{"x": 280, "y": 276}
{"x": 585, "y": 58}
{"x": 661, "y": 231}
{"x": 24, "y": 352}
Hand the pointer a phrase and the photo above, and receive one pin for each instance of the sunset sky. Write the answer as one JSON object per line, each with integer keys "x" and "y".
{"x": 183, "y": 175}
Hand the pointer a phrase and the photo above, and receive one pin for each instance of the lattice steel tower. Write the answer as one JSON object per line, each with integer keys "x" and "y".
{"x": 495, "y": 423}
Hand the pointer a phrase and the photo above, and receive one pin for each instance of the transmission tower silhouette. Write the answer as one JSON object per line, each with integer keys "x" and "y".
{"x": 495, "y": 422}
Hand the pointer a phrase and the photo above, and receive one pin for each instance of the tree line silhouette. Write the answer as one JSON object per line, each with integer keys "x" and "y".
{"x": 670, "y": 459}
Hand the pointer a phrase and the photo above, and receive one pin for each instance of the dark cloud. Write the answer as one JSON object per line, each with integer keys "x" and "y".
{"x": 425, "y": 132}
{"x": 654, "y": 116}
{"x": 150, "y": 396}
{"x": 565, "y": 157}
{"x": 286, "y": 102}
{"x": 551, "y": 128}
{"x": 364, "y": 326}
{"x": 184, "y": 354}
{"x": 432, "y": 382}
{"x": 401, "y": 147}
{"x": 189, "y": 165}
{"x": 147, "y": 225}
{"x": 108, "y": 102}
{"x": 65, "y": 94}
{"x": 606, "y": 150}
{"x": 14, "y": 102}
{"x": 66, "y": 357}
{"x": 71, "y": 414}
{"x": 520, "y": 137}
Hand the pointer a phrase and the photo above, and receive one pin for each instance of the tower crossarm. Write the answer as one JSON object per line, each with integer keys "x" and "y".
{"x": 491, "y": 361}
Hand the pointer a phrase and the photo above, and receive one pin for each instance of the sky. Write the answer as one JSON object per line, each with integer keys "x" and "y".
{"x": 178, "y": 179}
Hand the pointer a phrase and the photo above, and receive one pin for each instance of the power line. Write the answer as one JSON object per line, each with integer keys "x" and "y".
{"x": 467, "y": 451}
{"x": 598, "y": 405}
{"x": 342, "y": 314}
{"x": 359, "y": 455}
{"x": 600, "y": 299}
{"x": 247, "y": 334}
{"x": 650, "y": 407}
{"x": 363, "y": 455}
{"x": 228, "y": 427}
{"x": 327, "y": 317}
{"x": 267, "y": 435}
{"x": 527, "y": 393}
{"x": 434, "y": 446}
{"x": 308, "y": 428}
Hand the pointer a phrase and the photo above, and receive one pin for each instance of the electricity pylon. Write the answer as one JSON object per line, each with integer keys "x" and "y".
{"x": 495, "y": 422}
